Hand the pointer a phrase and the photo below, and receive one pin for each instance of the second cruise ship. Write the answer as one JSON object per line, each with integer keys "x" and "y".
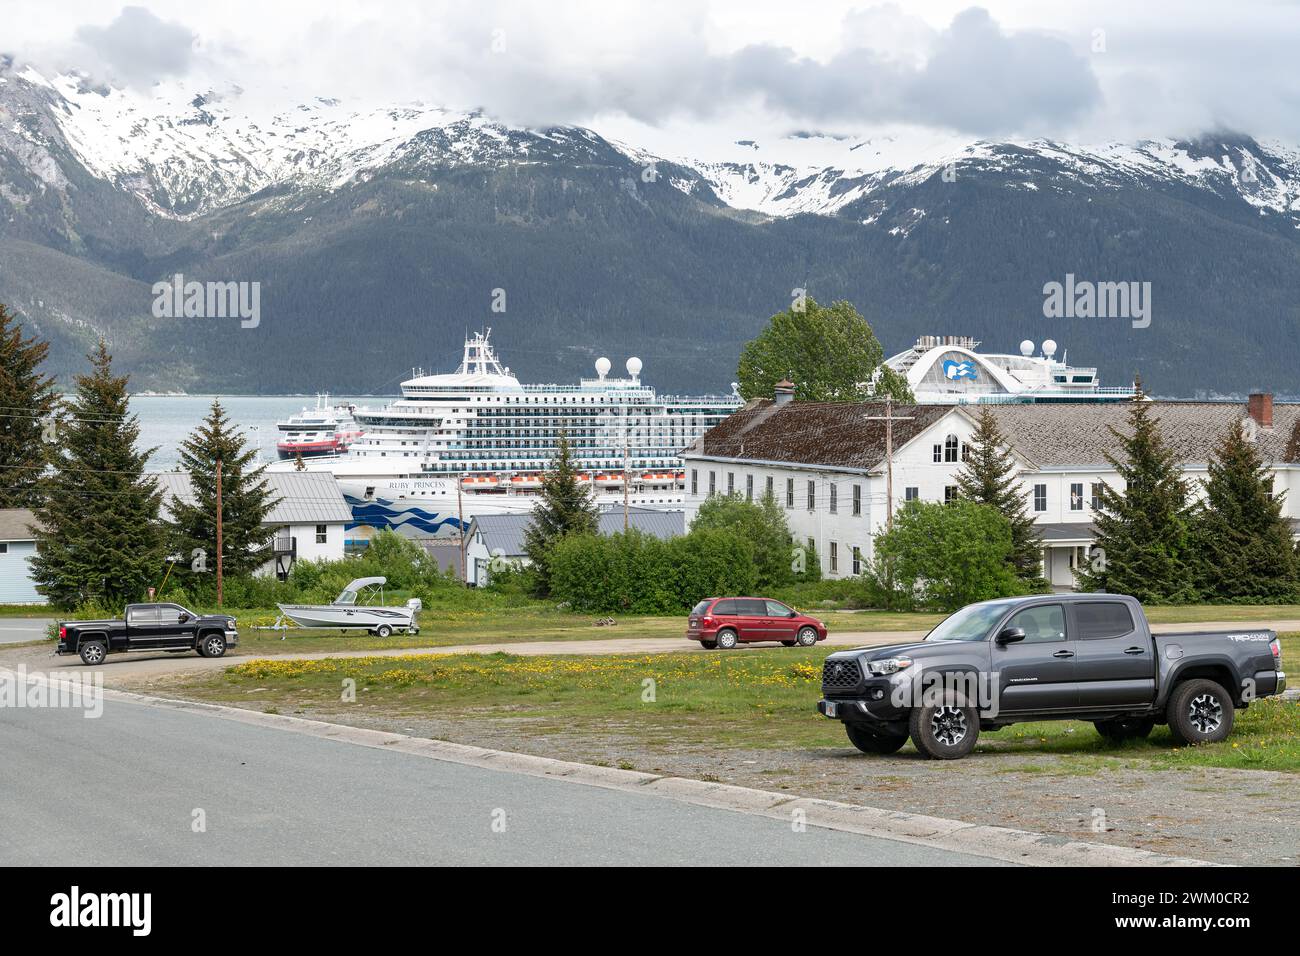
{"x": 476, "y": 442}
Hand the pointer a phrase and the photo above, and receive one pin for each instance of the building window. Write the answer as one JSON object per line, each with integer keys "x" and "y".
{"x": 834, "y": 498}
{"x": 695, "y": 481}
{"x": 965, "y": 452}
{"x": 321, "y": 534}
{"x": 1095, "y": 504}
{"x": 857, "y": 499}
{"x": 749, "y": 487}
{"x": 789, "y": 492}
{"x": 1040, "y": 497}
{"x": 812, "y": 496}
{"x": 1076, "y": 496}
{"x": 950, "y": 448}
{"x": 770, "y": 485}
{"x": 731, "y": 483}
{"x": 949, "y": 494}
{"x": 857, "y": 560}
{"x": 713, "y": 483}
{"x": 4, "y": 547}
{"x": 938, "y": 454}
{"x": 835, "y": 557}
{"x": 911, "y": 493}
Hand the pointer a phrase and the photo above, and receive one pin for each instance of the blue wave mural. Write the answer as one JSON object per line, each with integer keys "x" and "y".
{"x": 402, "y": 518}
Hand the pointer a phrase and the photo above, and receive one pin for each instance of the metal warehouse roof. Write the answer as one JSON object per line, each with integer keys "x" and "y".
{"x": 305, "y": 497}
{"x": 506, "y": 532}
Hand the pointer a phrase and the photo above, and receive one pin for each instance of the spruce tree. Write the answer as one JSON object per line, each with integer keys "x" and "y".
{"x": 1241, "y": 540}
{"x": 989, "y": 478}
{"x": 565, "y": 507}
{"x": 246, "y": 500}
{"x": 27, "y": 402}
{"x": 99, "y": 537}
{"x": 1142, "y": 544}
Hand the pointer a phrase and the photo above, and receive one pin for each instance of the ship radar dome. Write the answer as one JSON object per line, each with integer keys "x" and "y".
{"x": 1027, "y": 348}
{"x": 603, "y": 365}
{"x": 634, "y": 366}
{"x": 1049, "y": 348}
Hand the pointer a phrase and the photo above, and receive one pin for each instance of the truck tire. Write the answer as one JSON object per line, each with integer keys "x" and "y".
{"x": 1129, "y": 728}
{"x": 726, "y": 639}
{"x": 872, "y": 743}
{"x": 92, "y": 652}
{"x": 945, "y": 732}
{"x": 212, "y": 645}
{"x": 1200, "y": 712}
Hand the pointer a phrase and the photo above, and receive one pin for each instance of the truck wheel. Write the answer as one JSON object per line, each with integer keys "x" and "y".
{"x": 214, "y": 645}
{"x": 726, "y": 639}
{"x": 946, "y": 731}
{"x": 92, "y": 652}
{"x": 1131, "y": 728}
{"x": 1200, "y": 712}
{"x": 807, "y": 637}
{"x": 872, "y": 743}
{"x": 383, "y": 630}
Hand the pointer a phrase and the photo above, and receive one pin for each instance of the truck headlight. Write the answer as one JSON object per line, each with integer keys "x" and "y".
{"x": 890, "y": 665}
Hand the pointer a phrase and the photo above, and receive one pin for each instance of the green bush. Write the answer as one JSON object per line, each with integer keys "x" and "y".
{"x": 760, "y": 522}
{"x": 943, "y": 556}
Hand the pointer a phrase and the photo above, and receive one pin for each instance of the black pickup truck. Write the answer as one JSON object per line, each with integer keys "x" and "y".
{"x": 149, "y": 627}
{"x": 1048, "y": 657}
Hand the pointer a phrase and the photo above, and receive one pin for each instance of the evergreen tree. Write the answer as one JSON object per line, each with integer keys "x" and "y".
{"x": 27, "y": 402}
{"x": 830, "y": 352}
{"x": 989, "y": 478}
{"x": 1142, "y": 531}
{"x": 99, "y": 536}
{"x": 1242, "y": 543}
{"x": 565, "y": 507}
{"x": 246, "y": 500}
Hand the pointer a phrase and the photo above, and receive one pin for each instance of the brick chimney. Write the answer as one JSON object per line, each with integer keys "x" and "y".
{"x": 1260, "y": 407}
{"x": 784, "y": 391}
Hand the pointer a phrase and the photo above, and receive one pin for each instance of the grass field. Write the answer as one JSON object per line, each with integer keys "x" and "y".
{"x": 752, "y": 700}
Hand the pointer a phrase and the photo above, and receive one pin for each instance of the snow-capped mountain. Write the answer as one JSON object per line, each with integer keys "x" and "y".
{"x": 185, "y": 152}
{"x": 380, "y": 234}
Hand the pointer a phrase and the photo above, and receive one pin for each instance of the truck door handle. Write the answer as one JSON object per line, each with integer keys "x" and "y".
{"x": 1134, "y": 650}
{"x": 1064, "y": 654}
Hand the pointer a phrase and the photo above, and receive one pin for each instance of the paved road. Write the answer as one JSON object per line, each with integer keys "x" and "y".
{"x": 122, "y": 790}
{"x": 126, "y": 669}
{"x": 15, "y": 630}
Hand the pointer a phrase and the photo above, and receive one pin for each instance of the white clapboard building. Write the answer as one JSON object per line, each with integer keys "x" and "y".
{"x": 826, "y": 463}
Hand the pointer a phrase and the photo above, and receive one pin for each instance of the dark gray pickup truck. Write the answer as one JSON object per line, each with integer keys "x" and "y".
{"x": 1048, "y": 657}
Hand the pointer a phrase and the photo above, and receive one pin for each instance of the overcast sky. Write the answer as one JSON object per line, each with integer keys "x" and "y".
{"x": 1071, "y": 70}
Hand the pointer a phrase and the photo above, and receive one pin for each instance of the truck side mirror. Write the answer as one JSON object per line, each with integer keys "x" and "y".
{"x": 1010, "y": 635}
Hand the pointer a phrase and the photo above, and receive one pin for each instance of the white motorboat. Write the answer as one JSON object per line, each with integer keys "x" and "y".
{"x": 350, "y": 610}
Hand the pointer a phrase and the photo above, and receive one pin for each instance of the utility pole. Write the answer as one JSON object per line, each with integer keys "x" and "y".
{"x": 889, "y": 418}
{"x": 460, "y": 519}
{"x": 219, "y": 549}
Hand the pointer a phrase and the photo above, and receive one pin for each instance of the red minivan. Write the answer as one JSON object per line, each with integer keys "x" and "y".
{"x": 726, "y": 622}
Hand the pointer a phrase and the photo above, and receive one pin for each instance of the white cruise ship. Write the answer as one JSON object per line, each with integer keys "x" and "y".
{"x": 946, "y": 370}
{"x": 477, "y": 441}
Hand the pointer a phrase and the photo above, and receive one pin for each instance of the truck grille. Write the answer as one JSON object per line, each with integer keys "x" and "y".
{"x": 841, "y": 674}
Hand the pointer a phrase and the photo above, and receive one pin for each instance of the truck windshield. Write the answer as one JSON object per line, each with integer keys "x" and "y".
{"x": 971, "y": 623}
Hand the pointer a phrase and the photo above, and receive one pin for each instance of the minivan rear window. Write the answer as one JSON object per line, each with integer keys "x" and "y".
{"x": 700, "y": 608}
{"x": 725, "y": 607}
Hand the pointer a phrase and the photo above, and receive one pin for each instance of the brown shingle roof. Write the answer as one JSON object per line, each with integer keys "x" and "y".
{"x": 1078, "y": 434}
{"x": 16, "y": 524}
{"x": 832, "y": 434}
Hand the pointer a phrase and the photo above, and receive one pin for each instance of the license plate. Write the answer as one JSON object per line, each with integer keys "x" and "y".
{"x": 832, "y": 710}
